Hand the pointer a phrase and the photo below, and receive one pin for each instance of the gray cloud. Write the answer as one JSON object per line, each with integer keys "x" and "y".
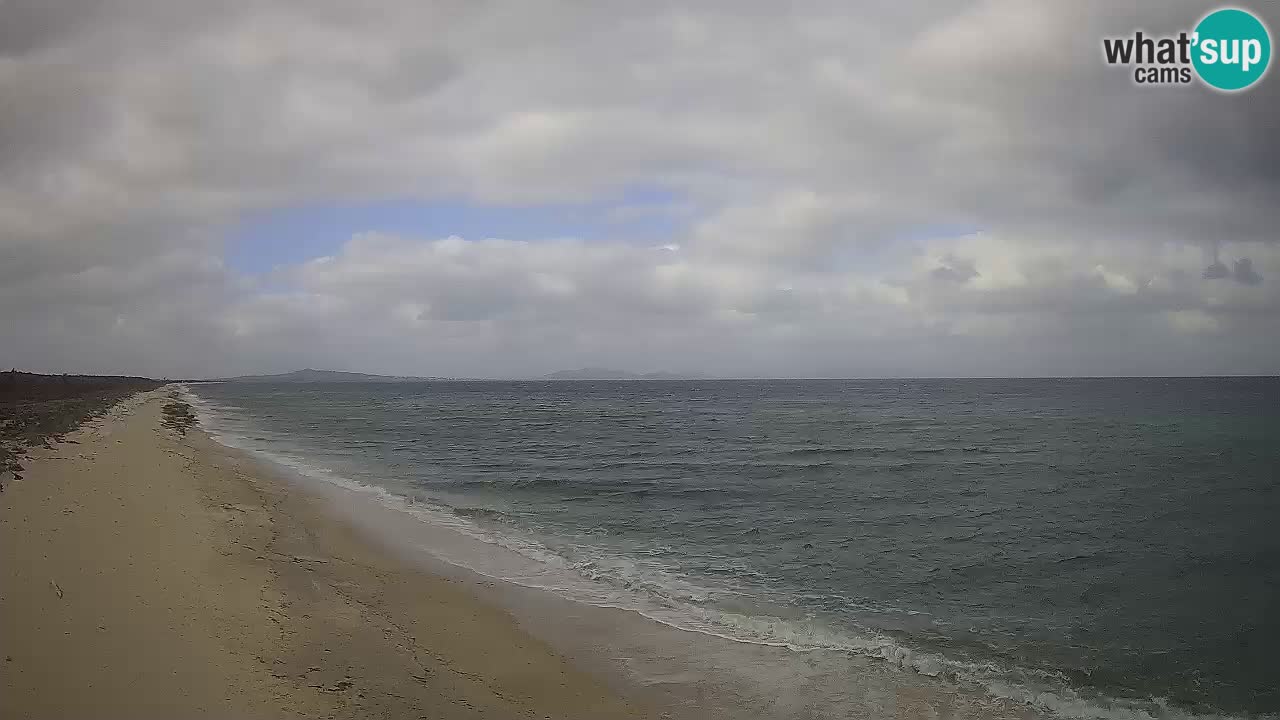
{"x": 957, "y": 270}
{"x": 1243, "y": 272}
{"x": 1217, "y": 270}
{"x": 818, "y": 155}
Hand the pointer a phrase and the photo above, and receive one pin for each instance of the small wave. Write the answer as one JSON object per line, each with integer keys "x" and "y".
{"x": 867, "y": 451}
{"x": 481, "y": 513}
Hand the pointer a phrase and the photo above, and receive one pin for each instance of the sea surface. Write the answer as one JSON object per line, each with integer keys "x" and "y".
{"x": 1095, "y": 547}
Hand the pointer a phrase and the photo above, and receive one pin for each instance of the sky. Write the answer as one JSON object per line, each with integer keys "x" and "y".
{"x": 505, "y": 188}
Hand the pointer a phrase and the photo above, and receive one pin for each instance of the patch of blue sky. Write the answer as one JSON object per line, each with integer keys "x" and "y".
{"x": 263, "y": 241}
{"x": 877, "y": 254}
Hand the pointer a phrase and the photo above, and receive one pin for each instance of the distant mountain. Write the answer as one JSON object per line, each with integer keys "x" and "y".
{"x": 592, "y": 373}
{"x": 310, "y": 375}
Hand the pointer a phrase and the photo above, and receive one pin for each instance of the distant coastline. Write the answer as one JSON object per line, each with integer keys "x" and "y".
{"x": 594, "y": 373}
{"x": 311, "y": 375}
{"x": 308, "y": 375}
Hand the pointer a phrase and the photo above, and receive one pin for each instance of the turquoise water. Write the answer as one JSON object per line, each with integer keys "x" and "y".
{"x": 1110, "y": 540}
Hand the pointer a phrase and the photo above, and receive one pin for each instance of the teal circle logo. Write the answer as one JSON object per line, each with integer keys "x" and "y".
{"x": 1232, "y": 49}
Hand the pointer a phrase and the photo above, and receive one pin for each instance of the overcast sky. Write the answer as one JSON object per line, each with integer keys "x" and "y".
{"x": 507, "y": 188}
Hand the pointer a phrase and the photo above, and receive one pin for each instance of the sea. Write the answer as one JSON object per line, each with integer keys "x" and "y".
{"x": 1102, "y": 548}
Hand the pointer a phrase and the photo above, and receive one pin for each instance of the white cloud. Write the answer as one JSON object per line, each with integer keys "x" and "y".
{"x": 806, "y": 151}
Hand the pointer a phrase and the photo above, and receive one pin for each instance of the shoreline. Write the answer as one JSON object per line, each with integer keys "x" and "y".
{"x": 268, "y": 594}
{"x": 153, "y": 573}
{"x": 685, "y": 672}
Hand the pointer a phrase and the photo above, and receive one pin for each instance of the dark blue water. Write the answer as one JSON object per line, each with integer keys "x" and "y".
{"x": 1117, "y": 538}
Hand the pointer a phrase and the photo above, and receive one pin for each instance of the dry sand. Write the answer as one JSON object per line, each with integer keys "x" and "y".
{"x": 151, "y": 573}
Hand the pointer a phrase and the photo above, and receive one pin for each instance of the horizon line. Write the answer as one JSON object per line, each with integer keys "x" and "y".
{"x": 717, "y": 378}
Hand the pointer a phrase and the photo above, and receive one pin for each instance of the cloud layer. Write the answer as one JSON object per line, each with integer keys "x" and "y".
{"x": 907, "y": 191}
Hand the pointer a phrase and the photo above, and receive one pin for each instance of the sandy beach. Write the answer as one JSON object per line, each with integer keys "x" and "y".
{"x": 152, "y": 573}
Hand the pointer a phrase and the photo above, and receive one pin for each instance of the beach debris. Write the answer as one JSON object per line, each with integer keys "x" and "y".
{"x": 300, "y": 559}
{"x": 56, "y": 589}
{"x": 178, "y": 415}
{"x": 340, "y": 686}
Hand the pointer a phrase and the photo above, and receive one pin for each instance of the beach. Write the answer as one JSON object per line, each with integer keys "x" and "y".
{"x": 505, "y": 550}
{"x": 149, "y": 572}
